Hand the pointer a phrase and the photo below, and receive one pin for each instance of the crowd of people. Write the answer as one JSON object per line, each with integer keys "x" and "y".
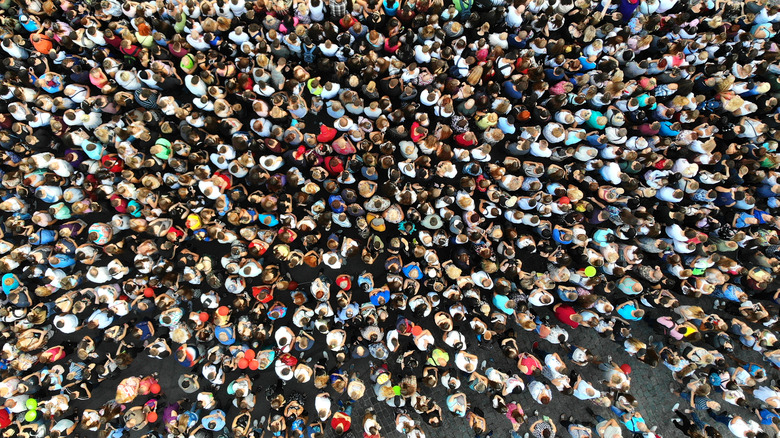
{"x": 273, "y": 191}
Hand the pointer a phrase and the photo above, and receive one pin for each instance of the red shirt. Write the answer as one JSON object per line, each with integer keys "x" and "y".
{"x": 462, "y": 141}
{"x": 5, "y": 418}
{"x": 564, "y": 313}
{"x": 334, "y": 165}
{"x": 343, "y": 419}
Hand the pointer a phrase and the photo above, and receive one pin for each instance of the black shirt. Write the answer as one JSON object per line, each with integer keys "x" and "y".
{"x": 171, "y": 83}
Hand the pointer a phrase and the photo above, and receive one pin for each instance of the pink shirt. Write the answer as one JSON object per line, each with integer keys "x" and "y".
{"x": 511, "y": 408}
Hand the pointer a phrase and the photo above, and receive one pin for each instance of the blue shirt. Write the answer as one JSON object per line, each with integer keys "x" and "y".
{"x": 225, "y": 335}
{"x": 633, "y": 423}
{"x": 218, "y": 417}
{"x": 753, "y": 369}
{"x": 558, "y": 236}
{"x": 767, "y": 416}
{"x": 29, "y": 25}
{"x": 382, "y": 293}
{"x": 600, "y": 236}
{"x": 625, "y": 312}
{"x": 500, "y": 302}
{"x": 391, "y": 9}
{"x": 312, "y": 429}
{"x": 146, "y": 331}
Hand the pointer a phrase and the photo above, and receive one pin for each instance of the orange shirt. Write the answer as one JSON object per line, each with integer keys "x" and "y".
{"x": 43, "y": 45}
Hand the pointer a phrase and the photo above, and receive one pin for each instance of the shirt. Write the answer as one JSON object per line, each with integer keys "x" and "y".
{"x": 579, "y": 433}
{"x": 500, "y": 302}
{"x": 537, "y": 390}
{"x": 66, "y": 323}
{"x": 741, "y": 376}
{"x": 581, "y": 388}
{"x": 340, "y": 418}
{"x": 214, "y": 421}
{"x": 579, "y": 356}
{"x": 612, "y": 431}
{"x": 701, "y": 403}
{"x": 625, "y": 312}
{"x": 531, "y": 363}
{"x": 338, "y": 9}
{"x": 740, "y": 428}
{"x": 767, "y": 416}
{"x": 764, "y": 393}
{"x": 732, "y": 397}
{"x": 555, "y": 333}
{"x": 102, "y": 318}
{"x": 564, "y": 314}
{"x": 540, "y": 428}
{"x": 754, "y": 369}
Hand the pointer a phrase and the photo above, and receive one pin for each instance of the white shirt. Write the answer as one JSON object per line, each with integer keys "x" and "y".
{"x": 102, "y": 318}
{"x": 764, "y": 393}
{"x": 535, "y": 299}
{"x": 198, "y": 43}
{"x": 740, "y": 428}
{"x": 580, "y": 391}
{"x": 328, "y": 51}
{"x": 317, "y": 13}
{"x": 369, "y": 423}
{"x": 69, "y": 323}
{"x": 239, "y": 38}
{"x": 238, "y": 9}
{"x": 538, "y": 389}
{"x": 513, "y": 382}
{"x": 513, "y": 17}
{"x": 120, "y": 308}
{"x": 453, "y": 337}
{"x": 132, "y": 83}
{"x": 420, "y": 56}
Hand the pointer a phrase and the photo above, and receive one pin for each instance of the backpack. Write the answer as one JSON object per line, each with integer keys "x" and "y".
{"x": 308, "y": 53}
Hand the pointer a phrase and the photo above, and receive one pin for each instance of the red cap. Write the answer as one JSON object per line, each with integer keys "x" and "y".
{"x": 344, "y": 281}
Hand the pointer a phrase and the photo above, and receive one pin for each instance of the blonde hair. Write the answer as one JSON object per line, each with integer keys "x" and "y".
{"x": 339, "y": 385}
{"x": 387, "y": 391}
{"x": 475, "y": 76}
